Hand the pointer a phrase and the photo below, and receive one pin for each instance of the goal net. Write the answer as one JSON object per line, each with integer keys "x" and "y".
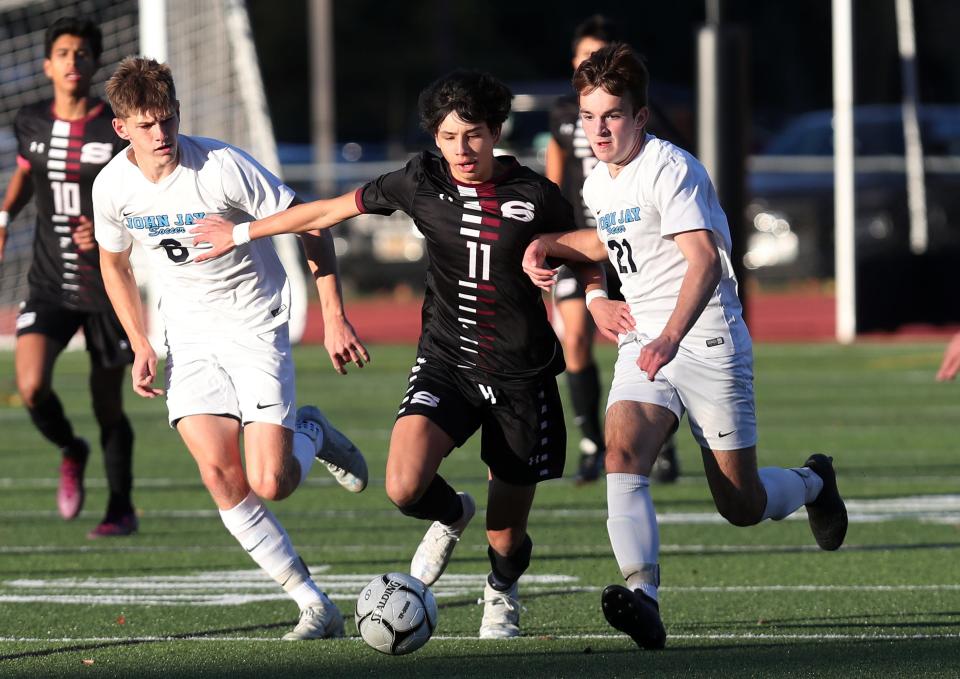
{"x": 209, "y": 48}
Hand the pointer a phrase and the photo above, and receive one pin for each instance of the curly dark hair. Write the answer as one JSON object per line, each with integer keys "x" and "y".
{"x": 474, "y": 96}
{"x": 83, "y": 28}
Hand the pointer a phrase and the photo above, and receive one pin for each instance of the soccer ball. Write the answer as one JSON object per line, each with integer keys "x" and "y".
{"x": 396, "y": 613}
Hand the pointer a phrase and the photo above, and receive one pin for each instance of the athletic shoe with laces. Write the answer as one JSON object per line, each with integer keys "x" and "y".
{"x": 336, "y": 452}
{"x": 433, "y": 553}
{"x": 666, "y": 468}
{"x": 323, "y": 621}
{"x": 70, "y": 492}
{"x": 827, "y": 514}
{"x": 636, "y": 614}
{"x": 115, "y": 526}
{"x": 501, "y": 613}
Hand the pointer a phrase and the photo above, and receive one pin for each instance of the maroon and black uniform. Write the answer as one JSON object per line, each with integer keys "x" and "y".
{"x": 65, "y": 286}
{"x": 487, "y": 354}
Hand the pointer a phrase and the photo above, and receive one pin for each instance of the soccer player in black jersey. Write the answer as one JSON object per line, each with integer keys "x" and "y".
{"x": 62, "y": 145}
{"x": 569, "y": 160}
{"x": 487, "y": 357}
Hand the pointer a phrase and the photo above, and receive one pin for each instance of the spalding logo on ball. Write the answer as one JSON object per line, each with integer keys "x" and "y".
{"x": 396, "y": 613}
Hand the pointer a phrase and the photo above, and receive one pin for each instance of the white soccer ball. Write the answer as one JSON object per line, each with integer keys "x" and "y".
{"x": 396, "y": 613}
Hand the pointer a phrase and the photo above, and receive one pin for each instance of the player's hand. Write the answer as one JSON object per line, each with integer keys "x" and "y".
{"x": 611, "y": 317}
{"x": 534, "y": 265}
{"x": 951, "y": 360}
{"x": 144, "y": 372}
{"x": 83, "y": 235}
{"x": 341, "y": 342}
{"x": 657, "y": 354}
{"x": 216, "y": 231}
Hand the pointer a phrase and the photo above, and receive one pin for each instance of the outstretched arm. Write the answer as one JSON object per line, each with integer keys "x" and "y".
{"x": 18, "y": 194}
{"x": 339, "y": 337}
{"x": 121, "y": 286}
{"x": 223, "y": 235}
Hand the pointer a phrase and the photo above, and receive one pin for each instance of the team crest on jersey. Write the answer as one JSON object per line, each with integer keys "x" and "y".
{"x": 96, "y": 153}
{"x": 520, "y": 210}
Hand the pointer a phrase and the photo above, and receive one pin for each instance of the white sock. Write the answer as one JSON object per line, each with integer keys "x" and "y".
{"x": 633, "y": 530}
{"x": 788, "y": 489}
{"x": 261, "y": 535}
{"x": 305, "y": 450}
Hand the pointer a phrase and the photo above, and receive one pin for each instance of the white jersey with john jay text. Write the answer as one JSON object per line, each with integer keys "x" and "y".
{"x": 662, "y": 192}
{"x": 245, "y": 290}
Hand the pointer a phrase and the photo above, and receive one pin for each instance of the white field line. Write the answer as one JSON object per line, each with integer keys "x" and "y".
{"x": 747, "y": 636}
{"x": 922, "y": 508}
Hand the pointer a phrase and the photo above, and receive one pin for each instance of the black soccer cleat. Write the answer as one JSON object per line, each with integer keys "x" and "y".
{"x": 666, "y": 468}
{"x": 827, "y": 514}
{"x": 635, "y": 614}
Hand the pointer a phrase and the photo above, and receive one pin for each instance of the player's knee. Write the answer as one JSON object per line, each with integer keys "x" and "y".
{"x": 33, "y": 391}
{"x": 740, "y": 511}
{"x": 507, "y": 541}
{"x": 269, "y": 484}
{"x": 404, "y": 490}
{"x": 620, "y": 459}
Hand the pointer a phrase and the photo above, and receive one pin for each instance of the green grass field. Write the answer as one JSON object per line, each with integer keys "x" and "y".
{"x": 181, "y": 599}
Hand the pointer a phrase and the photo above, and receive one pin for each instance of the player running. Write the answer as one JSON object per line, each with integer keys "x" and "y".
{"x": 569, "y": 160}
{"x": 683, "y": 345}
{"x": 229, "y": 369}
{"x": 62, "y": 144}
{"x": 487, "y": 357}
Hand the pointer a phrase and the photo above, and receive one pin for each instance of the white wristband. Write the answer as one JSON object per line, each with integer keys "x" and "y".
{"x": 594, "y": 294}
{"x": 241, "y": 233}
{"x": 4, "y": 219}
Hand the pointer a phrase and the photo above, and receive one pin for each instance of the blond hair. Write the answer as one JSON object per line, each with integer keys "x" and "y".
{"x": 141, "y": 85}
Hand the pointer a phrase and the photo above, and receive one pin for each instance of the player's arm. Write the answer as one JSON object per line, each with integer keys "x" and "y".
{"x": 951, "y": 360}
{"x": 581, "y": 245}
{"x": 121, "y": 287}
{"x": 223, "y": 235}
{"x": 553, "y": 167}
{"x": 18, "y": 194}
{"x": 612, "y": 317}
{"x": 699, "y": 283}
{"x": 339, "y": 337}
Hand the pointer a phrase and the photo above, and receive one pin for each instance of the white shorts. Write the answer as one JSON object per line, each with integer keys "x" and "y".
{"x": 249, "y": 377}
{"x": 716, "y": 393}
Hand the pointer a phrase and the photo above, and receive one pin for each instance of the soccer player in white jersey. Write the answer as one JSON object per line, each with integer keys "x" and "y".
{"x": 683, "y": 345}
{"x": 229, "y": 368}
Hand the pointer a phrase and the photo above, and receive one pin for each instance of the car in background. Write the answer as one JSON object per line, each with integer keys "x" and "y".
{"x": 790, "y": 212}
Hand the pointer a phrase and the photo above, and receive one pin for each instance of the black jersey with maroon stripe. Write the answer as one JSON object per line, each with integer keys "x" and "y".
{"x": 64, "y": 157}
{"x": 567, "y": 130}
{"x": 480, "y": 312}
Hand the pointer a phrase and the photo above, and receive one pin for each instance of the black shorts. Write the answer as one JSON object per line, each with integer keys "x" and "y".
{"x": 568, "y": 285}
{"x": 105, "y": 338}
{"x": 524, "y": 437}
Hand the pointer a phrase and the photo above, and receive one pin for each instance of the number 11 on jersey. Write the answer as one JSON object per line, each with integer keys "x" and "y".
{"x": 484, "y": 254}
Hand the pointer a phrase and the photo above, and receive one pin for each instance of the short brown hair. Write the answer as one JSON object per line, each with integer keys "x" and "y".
{"x": 617, "y": 70}
{"x": 141, "y": 84}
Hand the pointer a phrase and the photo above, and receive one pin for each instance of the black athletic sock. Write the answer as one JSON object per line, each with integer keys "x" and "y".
{"x": 585, "y": 395}
{"x": 439, "y": 502}
{"x": 117, "y": 443}
{"x": 506, "y": 570}
{"x": 50, "y": 420}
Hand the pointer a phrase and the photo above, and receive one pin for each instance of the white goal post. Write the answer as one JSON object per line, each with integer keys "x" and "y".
{"x": 209, "y": 46}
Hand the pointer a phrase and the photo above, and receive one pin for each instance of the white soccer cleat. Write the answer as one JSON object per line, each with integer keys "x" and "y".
{"x": 501, "y": 613}
{"x": 322, "y": 621}
{"x": 335, "y": 451}
{"x": 433, "y": 554}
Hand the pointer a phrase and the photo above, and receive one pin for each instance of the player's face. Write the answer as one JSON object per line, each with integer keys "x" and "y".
{"x": 467, "y": 148}
{"x": 614, "y": 129}
{"x": 70, "y": 65}
{"x": 153, "y": 137}
{"x": 585, "y": 48}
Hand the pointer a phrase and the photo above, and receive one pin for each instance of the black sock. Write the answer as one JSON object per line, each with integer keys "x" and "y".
{"x": 117, "y": 442}
{"x": 506, "y": 570}
{"x": 439, "y": 502}
{"x": 49, "y": 419}
{"x": 585, "y": 395}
